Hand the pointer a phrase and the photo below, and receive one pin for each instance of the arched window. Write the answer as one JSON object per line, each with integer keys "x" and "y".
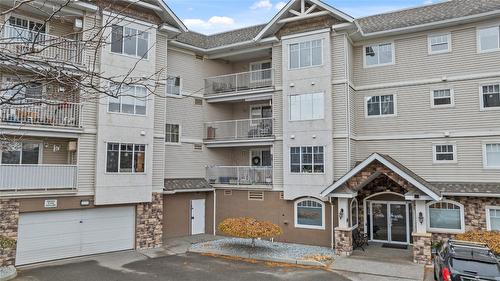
{"x": 353, "y": 215}
{"x": 445, "y": 216}
{"x": 310, "y": 213}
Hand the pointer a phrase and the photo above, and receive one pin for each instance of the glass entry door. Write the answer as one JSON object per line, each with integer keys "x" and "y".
{"x": 398, "y": 223}
{"x": 388, "y": 222}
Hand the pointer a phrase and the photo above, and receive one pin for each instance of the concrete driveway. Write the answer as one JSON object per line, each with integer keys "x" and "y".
{"x": 135, "y": 266}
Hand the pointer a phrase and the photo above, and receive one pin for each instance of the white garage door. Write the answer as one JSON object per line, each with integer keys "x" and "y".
{"x": 55, "y": 235}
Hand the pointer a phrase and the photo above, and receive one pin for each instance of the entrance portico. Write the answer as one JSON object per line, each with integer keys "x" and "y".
{"x": 385, "y": 200}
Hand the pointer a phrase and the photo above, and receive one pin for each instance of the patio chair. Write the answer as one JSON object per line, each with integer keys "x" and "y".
{"x": 359, "y": 239}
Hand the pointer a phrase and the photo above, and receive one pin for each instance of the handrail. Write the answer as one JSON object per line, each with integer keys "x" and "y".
{"x": 240, "y": 120}
{"x": 239, "y": 73}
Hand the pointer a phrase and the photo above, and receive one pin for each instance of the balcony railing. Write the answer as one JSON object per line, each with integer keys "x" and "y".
{"x": 42, "y": 112}
{"x": 25, "y": 42}
{"x": 240, "y": 82}
{"x": 37, "y": 177}
{"x": 246, "y": 129}
{"x": 240, "y": 175}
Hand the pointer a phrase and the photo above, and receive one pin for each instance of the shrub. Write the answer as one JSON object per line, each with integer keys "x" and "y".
{"x": 7, "y": 243}
{"x": 249, "y": 228}
{"x": 490, "y": 238}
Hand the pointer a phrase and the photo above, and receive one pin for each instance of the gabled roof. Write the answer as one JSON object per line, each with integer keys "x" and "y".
{"x": 186, "y": 185}
{"x": 171, "y": 18}
{"x": 396, "y": 167}
{"x": 427, "y": 14}
{"x": 220, "y": 39}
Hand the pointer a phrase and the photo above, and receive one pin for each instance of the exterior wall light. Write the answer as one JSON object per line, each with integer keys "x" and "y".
{"x": 341, "y": 213}
{"x": 420, "y": 218}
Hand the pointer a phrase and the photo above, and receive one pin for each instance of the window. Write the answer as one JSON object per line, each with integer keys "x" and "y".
{"x": 492, "y": 155}
{"x": 174, "y": 86}
{"x": 379, "y": 54}
{"x": 489, "y": 39}
{"x": 439, "y": 43}
{"x": 24, "y": 29}
{"x": 307, "y": 159}
{"x": 306, "y": 54}
{"x": 23, "y": 92}
{"x": 125, "y": 158}
{"x": 490, "y": 96}
{"x": 307, "y": 107}
{"x": 446, "y": 216}
{"x": 310, "y": 213}
{"x": 261, "y": 111}
{"x": 20, "y": 153}
{"x": 172, "y": 133}
{"x": 442, "y": 98}
{"x": 129, "y": 41}
{"x": 381, "y": 106}
{"x": 493, "y": 218}
{"x": 261, "y": 71}
{"x": 260, "y": 158}
{"x": 445, "y": 153}
{"x": 129, "y": 100}
{"x": 353, "y": 216}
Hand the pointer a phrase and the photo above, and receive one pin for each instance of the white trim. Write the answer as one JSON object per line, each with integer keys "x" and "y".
{"x": 389, "y": 223}
{"x": 395, "y": 102}
{"x": 300, "y": 104}
{"x": 452, "y": 97}
{"x": 478, "y": 38}
{"x": 120, "y": 96}
{"x": 304, "y": 34}
{"x": 297, "y": 225}
{"x": 354, "y": 200}
{"x": 488, "y": 217}
{"x": 167, "y": 94}
{"x": 188, "y": 191}
{"x": 369, "y": 160}
{"x": 485, "y": 155}
{"x": 444, "y": 230}
{"x": 393, "y": 50}
{"x": 434, "y": 153}
{"x": 311, "y": 48}
{"x": 465, "y": 194}
{"x": 21, "y": 142}
{"x": 173, "y": 15}
{"x": 300, "y": 162}
{"x": 481, "y": 94}
{"x": 429, "y": 44}
{"x": 169, "y": 142}
{"x": 119, "y": 158}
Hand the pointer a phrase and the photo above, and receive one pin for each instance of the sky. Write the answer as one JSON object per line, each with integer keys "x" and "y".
{"x": 213, "y": 16}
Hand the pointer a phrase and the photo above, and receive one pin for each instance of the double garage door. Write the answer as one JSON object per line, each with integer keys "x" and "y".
{"x": 55, "y": 235}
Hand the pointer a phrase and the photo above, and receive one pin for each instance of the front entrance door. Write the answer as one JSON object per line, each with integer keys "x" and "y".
{"x": 197, "y": 216}
{"x": 389, "y": 222}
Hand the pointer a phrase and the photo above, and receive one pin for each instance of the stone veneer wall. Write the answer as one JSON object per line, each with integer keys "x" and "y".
{"x": 422, "y": 250}
{"x": 9, "y": 218}
{"x": 343, "y": 242}
{"x": 149, "y": 220}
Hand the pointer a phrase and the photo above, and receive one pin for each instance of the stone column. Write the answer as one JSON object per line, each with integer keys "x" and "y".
{"x": 9, "y": 218}
{"x": 343, "y": 241}
{"x": 422, "y": 248}
{"x": 149, "y": 223}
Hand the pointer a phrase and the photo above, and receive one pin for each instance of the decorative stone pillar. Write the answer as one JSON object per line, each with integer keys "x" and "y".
{"x": 422, "y": 248}
{"x": 149, "y": 223}
{"x": 343, "y": 241}
{"x": 9, "y": 218}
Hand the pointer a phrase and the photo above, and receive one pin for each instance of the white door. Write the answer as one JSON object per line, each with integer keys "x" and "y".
{"x": 197, "y": 216}
{"x": 45, "y": 236}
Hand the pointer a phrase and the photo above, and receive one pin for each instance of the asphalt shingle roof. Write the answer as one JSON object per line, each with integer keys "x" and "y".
{"x": 220, "y": 39}
{"x": 186, "y": 184}
{"x": 426, "y": 14}
{"x": 468, "y": 187}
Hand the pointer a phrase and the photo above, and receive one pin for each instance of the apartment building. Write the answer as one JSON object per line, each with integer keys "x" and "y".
{"x": 316, "y": 121}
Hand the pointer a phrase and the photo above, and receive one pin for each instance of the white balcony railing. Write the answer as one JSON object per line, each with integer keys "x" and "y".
{"x": 37, "y": 177}
{"x": 240, "y": 175}
{"x": 246, "y": 129}
{"x": 25, "y": 42}
{"x": 42, "y": 112}
{"x": 240, "y": 82}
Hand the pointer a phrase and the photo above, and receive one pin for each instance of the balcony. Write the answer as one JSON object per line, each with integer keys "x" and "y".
{"x": 27, "y": 43}
{"x": 42, "y": 113}
{"x": 240, "y": 176}
{"x": 239, "y": 130}
{"x": 240, "y": 83}
{"x": 19, "y": 178}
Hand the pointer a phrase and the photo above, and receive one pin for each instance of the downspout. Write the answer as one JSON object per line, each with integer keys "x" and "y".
{"x": 348, "y": 102}
{"x": 332, "y": 238}
{"x": 215, "y": 206}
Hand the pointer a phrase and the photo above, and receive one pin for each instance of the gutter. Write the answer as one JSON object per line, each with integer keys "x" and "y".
{"x": 458, "y": 194}
{"x": 269, "y": 40}
{"x": 189, "y": 190}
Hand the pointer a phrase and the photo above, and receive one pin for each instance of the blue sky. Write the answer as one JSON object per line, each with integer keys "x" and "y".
{"x": 212, "y": 16}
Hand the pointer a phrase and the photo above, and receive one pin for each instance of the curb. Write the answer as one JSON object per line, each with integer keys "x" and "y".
{"x": 11, "y": 273}
{"x": 259, "y": 258}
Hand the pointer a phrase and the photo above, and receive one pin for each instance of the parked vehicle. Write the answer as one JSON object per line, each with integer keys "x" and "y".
{"x": 465, "y": 261}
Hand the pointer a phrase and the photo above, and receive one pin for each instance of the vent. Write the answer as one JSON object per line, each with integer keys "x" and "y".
{"x": 282, "y": 196}
{"x": 228, "y": 192}
{"x": 198, "y": 146}
{"x": 256, "y": 195}
{"x": 198, "y": 101}
{"x": 199, "y": 57}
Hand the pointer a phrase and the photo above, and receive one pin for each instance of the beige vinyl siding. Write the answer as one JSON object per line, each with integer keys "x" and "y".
{"x": 338, "y": 57}
{"x": 414, "y": 112}
{"x": 184, "y": 112}
{"x": 413, "y": 61}
{"x": 278, "y": 113}
{"x": 278, "y": 165}
{"x": 339, "y": 158}
{"x": 61, "y": 157}
{"x": 159, "y": 160}
{"x": 86, "y": 164}
{"x": 417, "y": 155}
{"x": 159, "y": 95}
{"x": 339, "y": 106}
{"x": 277, "y": 54}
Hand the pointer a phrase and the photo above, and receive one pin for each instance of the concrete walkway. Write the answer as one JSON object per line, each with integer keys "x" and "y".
{"x": 179, "y": 245}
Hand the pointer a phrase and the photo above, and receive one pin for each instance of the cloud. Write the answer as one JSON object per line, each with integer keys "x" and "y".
{"x": 280, "y": 5}
{"x": 262, "y": 4}
{"x": 213, "y": 24}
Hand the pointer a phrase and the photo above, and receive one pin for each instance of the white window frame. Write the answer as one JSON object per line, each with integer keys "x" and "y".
{"x": 485, "y": 155}
{"x": 119, "y": 159}
{"x": 429, "y": 43}
{"x": 29, "y": 19}
{"x": 250, "y": 65}
{"x": 180, "y": 86}
{"x": 180, "y": 134}
{"x": 135, "y": 102}
{"x": 434, "y": 153}
{"x": 313, "y": 107}
{"x": 478, "y": 38}
{"x": 296, "y": 215}
{"x": 452, "y": 97}
{"x": 488, "y": 218}
{"x": 354, "y": 200}
{"x": 305, "y": 67}
{"x": 301, "y": 164}
{"x": 445, "y": 230}
{"x": 481, "y": 94}
{"x": 148, "y": 54}
{"x": 40, "y": 152}
{"x": 395, "y": 114}
{"x": 380, "y": 64}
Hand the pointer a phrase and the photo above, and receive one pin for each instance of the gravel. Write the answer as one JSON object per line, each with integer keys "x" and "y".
{"x": 7, "y": 272}
{"x": 264, "y": 248}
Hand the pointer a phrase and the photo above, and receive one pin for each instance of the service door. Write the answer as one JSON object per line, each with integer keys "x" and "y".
{"x": 197, "y": 216}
